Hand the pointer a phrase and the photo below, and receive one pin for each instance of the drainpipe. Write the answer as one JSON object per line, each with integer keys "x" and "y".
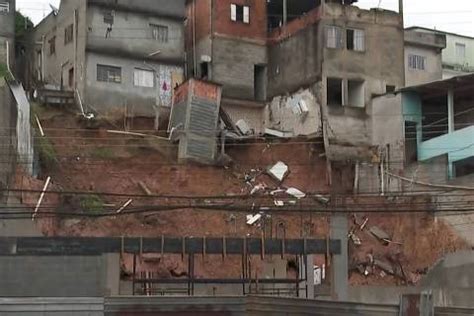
{"x": 8, "y": 59}
{"x": 43, "y": 38}
{"x": 74, "y": 87}
{"x": 285, "y": 12}
{"x": 194, "y": 39}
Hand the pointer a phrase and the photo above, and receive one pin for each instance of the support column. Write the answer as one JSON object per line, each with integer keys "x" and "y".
{"x": 450, "y": 111}
{"x": 285, "y": 12}
{"x": 339, "y": 228}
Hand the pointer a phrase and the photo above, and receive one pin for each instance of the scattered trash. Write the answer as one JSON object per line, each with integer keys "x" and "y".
{"x": 279, "y": 203}
{"x": 322, "y": 199}
{"x": 279, "y": 171}
{"x": 144, "y": 188}
{"x": 252, "y": 219}
{"x": 120, "y": 210}
{"x": 257, "y": 188}
{"x": 274, "y": 192}
{"x": 296, "y": 193}
{"x": 383, "y": 274}
{"x": 362, "y": 226}
{"x": 355, "y": 239}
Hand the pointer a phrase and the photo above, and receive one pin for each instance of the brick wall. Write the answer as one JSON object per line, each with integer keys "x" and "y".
{"x": 256, "y": 29}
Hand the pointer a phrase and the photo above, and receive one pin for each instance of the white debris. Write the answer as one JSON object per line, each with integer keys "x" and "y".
{"x": 252, "y": 219}
{"x": 243, "y": 127}
{"x": 277, "y": 133}
{"x": 277, "y": 191}
{"x": 257, "y": 188}
{"x": 279, "y": 171}
{"x": 279, "y": 203}
{"x": 296, "y": 193}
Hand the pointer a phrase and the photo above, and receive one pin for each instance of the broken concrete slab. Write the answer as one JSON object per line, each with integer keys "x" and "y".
{"x": 384, "y": 266}
{"x": 279, "y": 171}
{"x": 380, "y": 234}
{"x": 243, "y": 127}
{"x": 277, "y": 133}
{"x": 296, "y": 193}
{"x": 252, "y": 219}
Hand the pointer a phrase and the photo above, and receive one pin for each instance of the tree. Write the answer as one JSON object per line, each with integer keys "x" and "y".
{"x": 22, "y": 24}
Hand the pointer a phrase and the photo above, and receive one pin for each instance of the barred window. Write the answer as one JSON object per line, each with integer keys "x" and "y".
{"x": 334, "y": 37}
{"x": 159, "y": 33}
{"x": 109, "y": 74}
{"x": 4, "y": 7}
{"x": 416, "y": 62}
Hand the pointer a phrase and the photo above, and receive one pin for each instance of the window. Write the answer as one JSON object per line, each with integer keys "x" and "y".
{"x": 4, "y": 7}
{"x": 204, "y": 70}
{"x": 109, "y": 74}
{"x": 334, "y": 91}
{"x": 71, "y": 78}
{"x": 355, "y": 93}
{"x": 333, "y": 37}
{"x": 416, "y": 62}
{"x": 159, "y": 33}
{"x": 240, "y": 13}
{"x": 109, "y": 17}
{"x": 143, "y": 78}
{"x": 460, "y": 53}
{"x": 52, "y": 45}
{"x": 355, "y": 40}
{"x": 68, "y": 34}
{"x": 390, "y": 88}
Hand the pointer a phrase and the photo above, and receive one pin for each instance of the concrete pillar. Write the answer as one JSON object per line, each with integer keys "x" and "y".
{"x": 285, "y": 12}
{"x": 307, "y": 269}
{"x": 450, "y": 111}
{"x": 339, "y": 228}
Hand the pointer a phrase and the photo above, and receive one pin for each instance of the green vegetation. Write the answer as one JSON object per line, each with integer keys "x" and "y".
{"x": 102, "y": 153}
{"x": 22, "y": 24}
{"x": 4, "y": 72}
{"x": 92, "y": 204}
{"x": 47, "y": 153}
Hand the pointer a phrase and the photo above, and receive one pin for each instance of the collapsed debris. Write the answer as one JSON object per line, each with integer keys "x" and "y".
{"x": 380, "y": 235}
{"x": 252, "y": 219}
{"x": 296, "y": 193}
{"x": 279, "y": 171}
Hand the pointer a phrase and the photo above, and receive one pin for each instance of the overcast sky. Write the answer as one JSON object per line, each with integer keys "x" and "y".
{"x": 454, "y": 16}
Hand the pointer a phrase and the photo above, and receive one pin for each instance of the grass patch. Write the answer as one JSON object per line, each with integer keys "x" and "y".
{"x": 102, "y": 153}
{"x": 92, "y": 204}
{"x": 4, "y": 73}
{"x": 47, "y": 154}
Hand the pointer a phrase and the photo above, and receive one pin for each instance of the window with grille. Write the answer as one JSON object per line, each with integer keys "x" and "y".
{"x": 355, "y": 40}
{"x": 4, "y": 7}
{"x": 143, "y": 78}
{"x": 159, "y": 33}
{"x": 68, "y": 34}
{"x": 334, "y": 37}
{"x": 109, "y": 74}
{"x": 240, "y": 13}
{"x": 416, "y": 62}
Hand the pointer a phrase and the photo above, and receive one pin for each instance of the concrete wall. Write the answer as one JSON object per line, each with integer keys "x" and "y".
{"x": 295, "y": 62}
{"x": 59, "y": 276}
{"x": 52, "y": 306}
{"x": 164, "y": 8}
{"x": 116, "y": 99}
{"x": 233, "y": 65}
{"x": 131, "y": 34}
{"x": 7, "y": 136}
{"x": 429, "y": 46}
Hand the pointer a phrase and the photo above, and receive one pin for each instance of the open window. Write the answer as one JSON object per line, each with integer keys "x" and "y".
{"x": 355, "y": 40}
{"x": 334, "y": 37}
{"x": 355, "y": 93}
{"x": 240, "y": 13}
{"x": 334, "y": 92}
{"x": 259, "y": 82}
{"x": 204, "y": 67}
{"x": 464, "y": 167}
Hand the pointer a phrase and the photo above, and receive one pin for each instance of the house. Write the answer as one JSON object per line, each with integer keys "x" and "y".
{"x": 7, "y": 30}
{"x": 423, "y": 56}
{"x": 430, "y": 132}
{"x": 295, "y": 66}
{"x": 117, "y": 56}
{"x": 458, "y": 57}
